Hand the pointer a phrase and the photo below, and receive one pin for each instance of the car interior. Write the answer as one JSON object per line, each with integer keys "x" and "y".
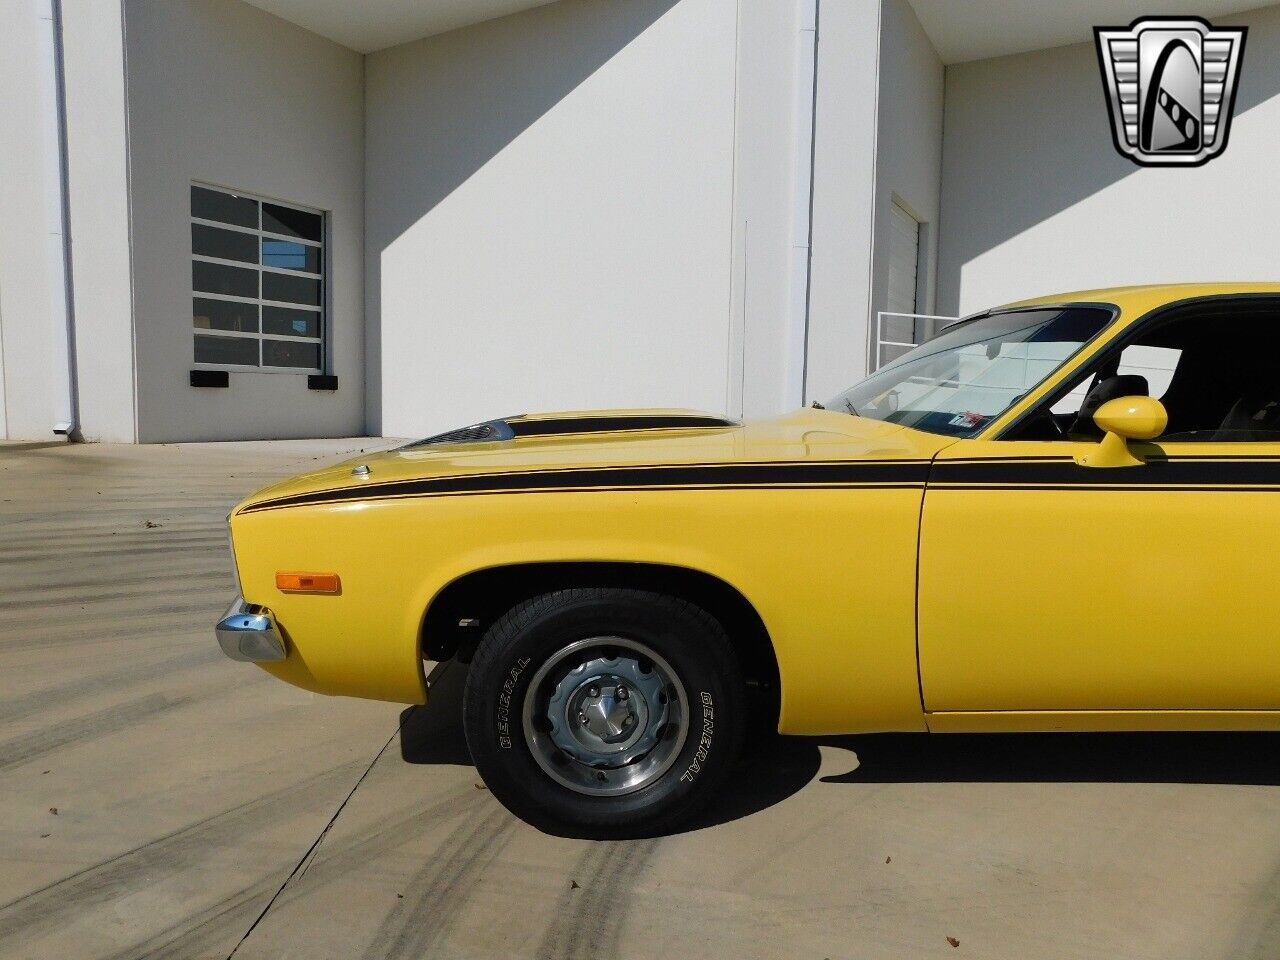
{"x": 1215, "y": 367}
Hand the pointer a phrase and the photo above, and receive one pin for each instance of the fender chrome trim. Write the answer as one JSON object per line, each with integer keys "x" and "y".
{"x": 248, "y": 633}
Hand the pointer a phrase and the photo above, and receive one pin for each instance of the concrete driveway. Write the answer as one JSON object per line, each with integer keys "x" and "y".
{"x": 157, "y": 800}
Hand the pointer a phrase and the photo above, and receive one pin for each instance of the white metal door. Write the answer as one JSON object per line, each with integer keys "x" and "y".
{"x": 904, "y": 260}
{"x": 896, "y": 326}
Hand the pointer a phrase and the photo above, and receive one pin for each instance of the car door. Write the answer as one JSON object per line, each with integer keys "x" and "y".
{"x": 1047, "y": 585}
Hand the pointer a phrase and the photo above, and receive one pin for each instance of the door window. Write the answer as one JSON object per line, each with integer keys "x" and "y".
{"x": 1215, "y": 369}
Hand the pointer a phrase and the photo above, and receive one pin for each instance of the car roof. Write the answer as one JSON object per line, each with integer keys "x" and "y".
{"x": 1139, "y": 299}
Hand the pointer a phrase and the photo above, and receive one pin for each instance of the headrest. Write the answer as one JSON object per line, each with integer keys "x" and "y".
{"x": 1121, "y": 385}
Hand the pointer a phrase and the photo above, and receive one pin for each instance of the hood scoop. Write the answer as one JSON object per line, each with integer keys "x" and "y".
{"x": 476, "y": 433}
{"x": 543, "y": 426}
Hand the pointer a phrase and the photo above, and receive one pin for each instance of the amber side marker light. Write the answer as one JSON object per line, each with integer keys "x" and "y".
{"x": 308, "y": 583}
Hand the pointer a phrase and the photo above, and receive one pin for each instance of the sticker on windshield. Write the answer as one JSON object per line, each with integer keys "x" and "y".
{"x": 968, "y": 420}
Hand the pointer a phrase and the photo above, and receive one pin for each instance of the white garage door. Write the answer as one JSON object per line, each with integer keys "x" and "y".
{"x": 904, "y": 260}
{"x": 897, "y": 333}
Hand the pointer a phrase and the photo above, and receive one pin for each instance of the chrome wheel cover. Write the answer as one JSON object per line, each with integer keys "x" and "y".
{"x": 605, "y": 716}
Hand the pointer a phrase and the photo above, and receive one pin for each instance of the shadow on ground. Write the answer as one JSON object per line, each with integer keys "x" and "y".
{"x": 775, "y": 767}
{"x": 14, "y": 446}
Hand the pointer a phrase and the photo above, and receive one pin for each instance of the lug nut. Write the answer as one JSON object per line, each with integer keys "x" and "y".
{"x": 593, "y": 691}
{"x": 582, "y": 717}
{"x": 622, "y": 692}
{"x": 628, "y": 720}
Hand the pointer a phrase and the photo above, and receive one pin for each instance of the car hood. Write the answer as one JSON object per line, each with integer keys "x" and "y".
{"x": 573, "y": 443}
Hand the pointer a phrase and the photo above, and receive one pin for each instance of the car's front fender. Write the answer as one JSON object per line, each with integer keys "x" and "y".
{"x": 831, "y": 573}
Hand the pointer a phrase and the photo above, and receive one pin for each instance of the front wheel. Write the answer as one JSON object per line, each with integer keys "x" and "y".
{"x": 604, "y": 713}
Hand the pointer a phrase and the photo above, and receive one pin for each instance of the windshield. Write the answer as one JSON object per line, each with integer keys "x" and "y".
{"x": 974, "y": 371}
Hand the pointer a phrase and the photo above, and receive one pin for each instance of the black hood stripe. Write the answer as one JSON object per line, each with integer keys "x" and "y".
{"x": 554, "y": 426}
{"x": 872, "y": 473}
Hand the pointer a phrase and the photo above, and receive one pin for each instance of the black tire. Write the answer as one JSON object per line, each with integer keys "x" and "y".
{"x": 533, "y": 633}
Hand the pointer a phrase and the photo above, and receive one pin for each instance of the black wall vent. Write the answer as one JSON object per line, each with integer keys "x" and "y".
{"x": 210, "y": 378}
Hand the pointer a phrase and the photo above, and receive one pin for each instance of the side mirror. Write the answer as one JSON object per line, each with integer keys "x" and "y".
{"x": 1121, "y": 420}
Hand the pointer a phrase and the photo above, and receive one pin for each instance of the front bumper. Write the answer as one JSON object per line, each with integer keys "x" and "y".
{"x": 248, "y": 633}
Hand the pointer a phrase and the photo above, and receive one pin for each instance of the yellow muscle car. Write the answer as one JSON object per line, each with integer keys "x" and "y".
{"x": 1057, "y": 515}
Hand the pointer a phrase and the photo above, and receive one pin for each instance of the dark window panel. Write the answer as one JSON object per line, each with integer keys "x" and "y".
{"x": 224, "y": 207}
{"x": 224, "y": 315}
{"x": 220, "y": 278}
{"x": 238, "y": 350}
{"x": 289, "y": 353}
{"x": 292, "y": 223}
{"x": 290, "y": 255}
{"x": 225, "y": 244}
{"x": 291, "y": 323}
{"x": 279, "y": 286}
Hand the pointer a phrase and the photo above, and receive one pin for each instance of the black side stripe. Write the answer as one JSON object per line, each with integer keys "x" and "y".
{"x": 881, "y": 474}
{"x": 557, "y": 425}
{"x": 1038, "y": 473}
{"x": 1067, "y": 474}
{"x": 1102, "y": 487}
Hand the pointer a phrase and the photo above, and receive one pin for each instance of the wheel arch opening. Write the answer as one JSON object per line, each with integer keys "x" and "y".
{"x": 459, "y": 615}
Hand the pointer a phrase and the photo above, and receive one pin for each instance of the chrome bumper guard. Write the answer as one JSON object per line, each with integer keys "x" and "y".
{"x": 248, "y": 633}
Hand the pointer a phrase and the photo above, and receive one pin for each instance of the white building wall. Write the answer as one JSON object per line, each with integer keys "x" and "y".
{"x": 1036, "y": 200}
{"x": 97, "y": 171}
{"x": 223, "y": 93}
{"x": 770, "y": 147}
{"x": 843, "y": 190}
{"x": 908, "y": 150}
{"x": 584, "y": 205}
{"x": 4, "y": 419}
{"x": 26, "y": 401}
{"x": 879, "y": 139}
{"x": 549, "y": 211}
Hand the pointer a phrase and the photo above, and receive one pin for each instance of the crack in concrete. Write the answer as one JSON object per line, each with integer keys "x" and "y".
{"x": 301, "y": 867}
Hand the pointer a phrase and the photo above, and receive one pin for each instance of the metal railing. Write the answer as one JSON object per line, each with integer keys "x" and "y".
{"x": 923, "y": 326}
